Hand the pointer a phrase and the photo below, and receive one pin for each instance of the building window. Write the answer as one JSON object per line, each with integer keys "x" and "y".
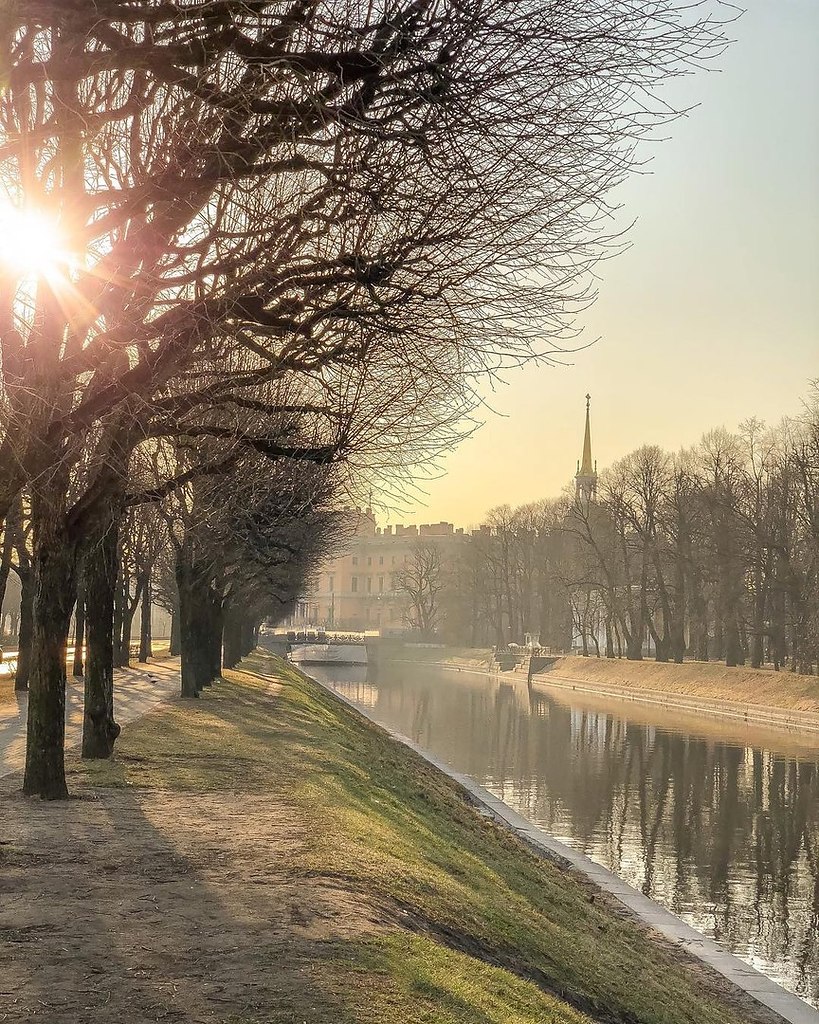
{"x": 393, "y": 559}
{"x": 369, "y": 560}
{"x": 354, "y": 584}
{"x": 355, "y": 559}
{"x": 369, "y": 584}
{"x": 380, "y": 584}
{"x": 331, "y": 583}
{"x": 380, "y": 559}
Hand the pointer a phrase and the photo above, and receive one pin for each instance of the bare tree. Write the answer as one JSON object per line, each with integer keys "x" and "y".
{"x": 712, "y": 552}
{"x": 422, "y": 581}
{"x": 281, "y": 189}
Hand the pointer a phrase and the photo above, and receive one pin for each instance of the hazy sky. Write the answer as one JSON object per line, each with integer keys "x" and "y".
{"x": 712, "y": 315}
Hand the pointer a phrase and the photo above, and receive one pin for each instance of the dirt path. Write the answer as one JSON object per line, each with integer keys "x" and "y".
{"x": 137, "y": 691}
{"x": 98, "y": 923}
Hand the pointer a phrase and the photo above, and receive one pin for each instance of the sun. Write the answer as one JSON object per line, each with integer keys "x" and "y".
{"x": 30, "y": 243}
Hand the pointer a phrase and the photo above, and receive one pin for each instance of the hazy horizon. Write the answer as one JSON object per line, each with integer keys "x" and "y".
{"x": 710, "y": 317}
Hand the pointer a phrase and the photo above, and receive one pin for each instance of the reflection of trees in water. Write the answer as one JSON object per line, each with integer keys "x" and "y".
{"x": 725, "y": 835}
{"x": 728, "y": 836}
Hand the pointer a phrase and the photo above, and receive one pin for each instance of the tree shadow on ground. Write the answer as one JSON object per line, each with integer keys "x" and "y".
{"x": 136, "y": 906}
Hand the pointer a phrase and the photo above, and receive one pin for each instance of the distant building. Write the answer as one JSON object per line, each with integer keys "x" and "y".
{"x": 358, "y": 590}
{"x": 587, "y": 628}
{"x": 585, "y": 481}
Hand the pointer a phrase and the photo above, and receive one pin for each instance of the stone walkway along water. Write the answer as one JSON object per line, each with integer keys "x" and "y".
{"x": 136, "y": 691}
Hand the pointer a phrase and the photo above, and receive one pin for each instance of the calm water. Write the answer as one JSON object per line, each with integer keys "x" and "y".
{"x": 717, "y": 822}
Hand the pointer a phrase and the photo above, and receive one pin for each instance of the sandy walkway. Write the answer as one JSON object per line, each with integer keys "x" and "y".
{"x": 136, "y": 692}
{"x": 144, "y": 905}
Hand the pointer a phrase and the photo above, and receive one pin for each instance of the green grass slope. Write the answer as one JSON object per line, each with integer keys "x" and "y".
{"x": 480, "y": 930}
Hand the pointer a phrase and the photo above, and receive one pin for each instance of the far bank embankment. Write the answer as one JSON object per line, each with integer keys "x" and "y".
{"x": 777, "y": 699}
{"x": 770, "y": 698}
{"x": 697, "y": 679}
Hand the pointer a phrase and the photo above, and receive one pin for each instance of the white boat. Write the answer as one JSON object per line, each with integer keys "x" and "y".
{"x": 328, "y": 654}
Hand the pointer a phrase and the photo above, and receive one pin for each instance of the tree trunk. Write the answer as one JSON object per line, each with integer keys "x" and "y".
{"x": 193, "y": 621}
{"x": 145, "y": 639}
{"x": 79, "y": 630}
{"x": 699, "y": 617}
{"x": 660, "y": 645}
{"x": 581, "y": 629}
{"x": 99, "y": 729}
{"x": 54, "y": 579}
{"x": 24, "y": 640}
{"x": 595, "y": 641}
{"x": 733, "y": 646}
{"x": 678, "y": 640}
{"x": 217, "y": 627}
{"x": 9, "y": 535}
{"x": 609, "y": 638}
{"x": 175, "y": 644}
{"x": 618, "y": 640}
{"x": 719, "y": 636}
{"x": 232, "y": 654}
{"x": 248, "y": 637}
{"x": 634, "y": 644}
{"x": 206, "y": 626}
{"x": 757, "y": 636}
{"x": 129, "y": 608}
{"x": 191, "y": 675}
{"x": 680, "y": 611}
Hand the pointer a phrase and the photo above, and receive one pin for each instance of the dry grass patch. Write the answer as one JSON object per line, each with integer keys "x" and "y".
{"x": 707, "y": 679}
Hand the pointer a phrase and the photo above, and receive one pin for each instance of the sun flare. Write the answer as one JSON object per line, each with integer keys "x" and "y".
{"x": 30, "y": 243}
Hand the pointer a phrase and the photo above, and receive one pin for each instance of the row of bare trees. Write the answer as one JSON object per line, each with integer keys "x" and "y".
{"x": 713, "y": 551}
{"x": 508, "y": 579}
{"x": 291, "y": 234}
{"x": 708, "y": 553}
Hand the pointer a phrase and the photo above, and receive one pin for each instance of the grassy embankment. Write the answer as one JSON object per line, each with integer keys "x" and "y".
{"x": 709, "y": 680}
{"x": 447, "y": 917}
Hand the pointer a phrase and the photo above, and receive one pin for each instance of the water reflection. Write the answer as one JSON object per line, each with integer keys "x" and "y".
{"x": 723, "y": 832}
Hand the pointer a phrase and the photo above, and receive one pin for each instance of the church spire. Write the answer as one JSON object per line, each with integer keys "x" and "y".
{"x": 586, "y": 479}
{"x": 586, "y": 468}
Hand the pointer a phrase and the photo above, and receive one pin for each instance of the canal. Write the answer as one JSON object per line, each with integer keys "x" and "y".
{"x": 717, "y": 821}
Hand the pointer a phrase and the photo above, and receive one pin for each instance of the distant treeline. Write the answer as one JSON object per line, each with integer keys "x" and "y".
{"x": 709, "y": 553}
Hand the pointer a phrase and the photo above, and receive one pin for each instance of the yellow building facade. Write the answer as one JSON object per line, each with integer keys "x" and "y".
{"x": 358, "y": 589}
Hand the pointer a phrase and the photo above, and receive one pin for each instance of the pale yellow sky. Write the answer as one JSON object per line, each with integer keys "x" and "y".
{"x": 712, "y": 315}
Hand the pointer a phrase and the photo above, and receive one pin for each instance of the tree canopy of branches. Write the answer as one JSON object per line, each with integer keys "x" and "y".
{"x": 376, "y": 203}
